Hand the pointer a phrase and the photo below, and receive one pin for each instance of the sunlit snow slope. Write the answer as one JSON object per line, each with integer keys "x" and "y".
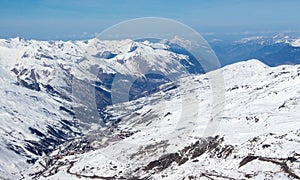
{"x": 162, "y": 136}
{"x": 169, "y": 130}
{"x": 38, "y": 106}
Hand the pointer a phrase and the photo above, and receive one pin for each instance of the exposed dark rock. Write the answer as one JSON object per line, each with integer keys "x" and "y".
{"x": 49, "y": 88}
{"x": 278, "y": 161}
{"x": 223, "y": 151}
{"x": 33, "y": 86}
{"x": 16, "y": 148}
{"x": 247, "y": 159}
{"x": 164, "y": 162}
{"x": 132, "y": 48}
{"x": 105, "y": 55}
{"x": 31, "y": 161}
{"x": 67, "y": 110}
{"x": 14, "y": 70}
{"x": 35, "y": 131}
{"x": 192, "y": 151}
{"x": 57, "y": 133}
{"x": 266, "y": 146}
{"x": 168, "y": 113}
{"x": 233, "y": 88}
{"x": 292, "y": 159}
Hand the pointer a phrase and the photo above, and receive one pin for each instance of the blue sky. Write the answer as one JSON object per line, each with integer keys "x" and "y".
{"x": 77, "y": 19}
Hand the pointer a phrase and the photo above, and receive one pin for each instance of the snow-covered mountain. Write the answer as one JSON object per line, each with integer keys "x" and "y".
{"x": 41, "y": 84}
{"x": 278, "y": 38}
{"x": 277, "y": 50}
{"x": 162, "y": 137}
{"x": 172, "y": 132}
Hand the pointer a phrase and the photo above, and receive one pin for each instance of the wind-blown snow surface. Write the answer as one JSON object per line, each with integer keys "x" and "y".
{"x": 161, "y": 136}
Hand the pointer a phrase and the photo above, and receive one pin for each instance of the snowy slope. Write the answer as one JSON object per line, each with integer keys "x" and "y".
{"x": 32, "y": 122}
{"x": 173, "y": 133}
{"x": 38, "y": 104}
{"x": 296, "y": 43}
{"x": 163, "y": 136}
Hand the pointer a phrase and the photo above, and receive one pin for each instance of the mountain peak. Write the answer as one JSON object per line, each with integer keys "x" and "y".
{"x": 248, "y": 64}
{"x": 296, "y": 43}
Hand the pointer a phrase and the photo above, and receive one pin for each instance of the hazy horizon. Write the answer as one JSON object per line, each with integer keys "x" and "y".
{"x": 70, "y": 20}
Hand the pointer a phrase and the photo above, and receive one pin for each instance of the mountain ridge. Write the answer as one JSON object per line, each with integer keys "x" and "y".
{"x": 165, "y": 125}
{"x": 161, "y": 136}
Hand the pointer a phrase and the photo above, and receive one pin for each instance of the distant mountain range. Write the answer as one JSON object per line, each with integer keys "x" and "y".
{"x": 278, "y": 50}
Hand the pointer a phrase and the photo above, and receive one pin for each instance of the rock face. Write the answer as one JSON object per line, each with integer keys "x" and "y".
{"x": 208, "y": 145}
